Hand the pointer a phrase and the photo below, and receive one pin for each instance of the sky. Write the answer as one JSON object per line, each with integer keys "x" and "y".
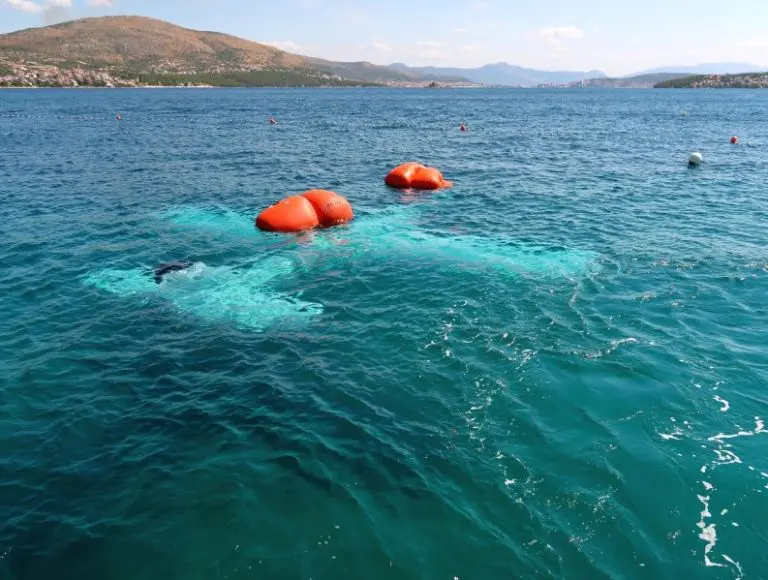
{"x": 615, "y": 36}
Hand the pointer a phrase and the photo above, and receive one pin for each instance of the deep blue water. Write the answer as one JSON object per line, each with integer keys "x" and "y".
{"x": 556, "y": 369}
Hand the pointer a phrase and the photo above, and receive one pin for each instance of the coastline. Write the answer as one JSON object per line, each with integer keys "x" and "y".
{"x": 256, "y": 88}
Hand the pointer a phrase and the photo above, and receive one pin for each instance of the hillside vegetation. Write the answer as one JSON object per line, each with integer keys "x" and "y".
{"x": 135, "y": 45}
{"x": 737, "y": 81}
{"x": 140, "y": 43}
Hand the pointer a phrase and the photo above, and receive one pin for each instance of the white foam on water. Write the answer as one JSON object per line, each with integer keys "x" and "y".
{"x": 674, "y": 436}
{"x": 735, "y": 564}
{"x": 708, "y": 532}
{"x": 724, "y": 456}
{"x": 722, "y": 436}
{"x": 725, "y": 404}
{"x": 237, "y": 295}
{"x": 759, "y": 429}
{"x": 615, "y": 345}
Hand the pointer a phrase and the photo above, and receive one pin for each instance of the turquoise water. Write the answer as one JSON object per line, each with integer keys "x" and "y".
{"x": 555, "y": 369}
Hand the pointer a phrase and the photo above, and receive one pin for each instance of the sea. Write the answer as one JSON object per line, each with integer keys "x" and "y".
{"x": 557, "y": 368}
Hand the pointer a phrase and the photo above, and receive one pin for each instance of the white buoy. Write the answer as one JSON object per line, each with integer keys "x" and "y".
{"x": 695, "y": 159}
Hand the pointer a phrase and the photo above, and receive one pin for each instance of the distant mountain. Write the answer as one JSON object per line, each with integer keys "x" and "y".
{"x": 503, "y": 74}
{"x": 707, "y": 69}
{"x": 370, "y": 72}
{"x": 135, "y": 46}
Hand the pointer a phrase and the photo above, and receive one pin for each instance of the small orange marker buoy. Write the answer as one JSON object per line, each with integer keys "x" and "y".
{"x": 734, "y": 140}
{"x": 331, "y": 208}
{"x": 292, "y": 214}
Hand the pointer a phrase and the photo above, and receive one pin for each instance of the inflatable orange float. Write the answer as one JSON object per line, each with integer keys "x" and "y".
{"x": 427, "y": 178}
{"x": 331, "y": 208}
{"x": 416, "y": 176}
{"x": 402, "y": 175}
{"x": 307, "y": 211}
{"x": 292, "y": 214}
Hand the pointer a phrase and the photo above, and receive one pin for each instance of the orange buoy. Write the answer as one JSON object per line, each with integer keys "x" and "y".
{"x": 734, "y": 140}
{"x": 331, "y": 208}
{"x": 292, "y": 214}
{"x": 416, "y": 176}
{"x": 401, "y": 176}
{"x": 427, "y": 178}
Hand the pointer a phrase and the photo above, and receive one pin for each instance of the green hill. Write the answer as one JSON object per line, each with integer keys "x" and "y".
{"x": 737, "y": 81}
{"x": 134, "y": 46}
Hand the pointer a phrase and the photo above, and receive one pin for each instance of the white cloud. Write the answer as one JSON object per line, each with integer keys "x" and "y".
{"x": 380, "y": 46}
{"x": 25, "y": 6}
{"x": 433, "y": 54}
{"x": 460, "y": 30}
{"x": 36, "y": 7}
{"x": 558, "y": 34}
{"x": 755, "y": 44}
{"x": 450, "y": 54}
{"x": 100, "y": 3}
{"x": 479, "y": 5}
{"x": 430, "y": 44}
{"x": 356, "y": 17}
{"x": 286, "y": 45}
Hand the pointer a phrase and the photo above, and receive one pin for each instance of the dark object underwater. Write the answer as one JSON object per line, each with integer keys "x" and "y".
{"x": 163, "y": 269}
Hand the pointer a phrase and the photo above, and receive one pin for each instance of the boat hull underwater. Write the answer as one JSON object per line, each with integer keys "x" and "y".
{"x": 248, "y": 294}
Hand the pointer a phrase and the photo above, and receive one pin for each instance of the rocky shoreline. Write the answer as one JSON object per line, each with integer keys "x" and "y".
{"x": 15, "y": 74}
{"x": 48, "y": 76}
